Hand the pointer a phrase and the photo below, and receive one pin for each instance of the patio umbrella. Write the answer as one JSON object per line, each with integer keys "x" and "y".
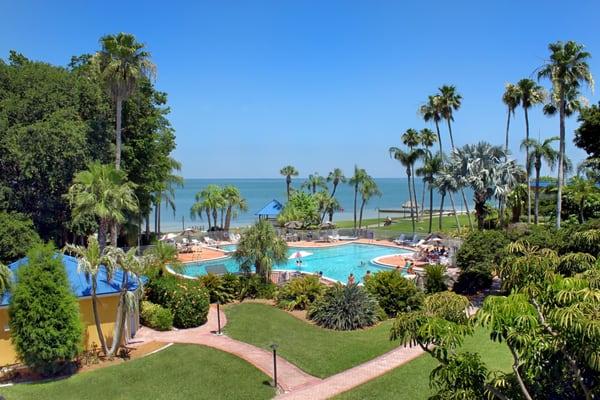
{"x": 168, "y": 236}
{"x": 293, "y": 225}
{"x": 299, "y": 254}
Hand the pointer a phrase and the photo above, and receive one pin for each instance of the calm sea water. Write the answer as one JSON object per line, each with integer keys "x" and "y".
{"x": 259, "y": 192}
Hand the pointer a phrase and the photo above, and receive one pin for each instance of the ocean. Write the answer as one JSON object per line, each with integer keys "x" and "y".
{"x": 258, "y": 192}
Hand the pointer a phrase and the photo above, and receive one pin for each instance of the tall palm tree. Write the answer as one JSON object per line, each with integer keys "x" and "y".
{"x": 368, "y": 189}
{"x": 102, "y": 192}
{"x": 313, "y": 182}
{"x": 531, "y": 94}
{"x": 288, "y": 171}
{"x": 260, "y": 247}
{"x": 355, "y": 181}
{"x": 234, "y": 202}
{"x": 91, "y": 260}
{"x": 122, "y": 63}
{"x": 210, "y": 200}
{"x": 446, "y": 184}
{"x": 432, "y": 111}
{"x": 412, "y": 139}
{"x": 432, "y": 166}
{"x": 332, "y": 207}
{"x": 450, "y": 101}
{"x": 407, "y": 159}
{"x": 538, "y": 152}
{"x": 511, "y": 98}
{"x": 166, "y": 193}
{"x": 428, "y": 139}
{"x": 5, "y": 279}
{"x": 567, "y": 68}
{"x": 335, "y": 177}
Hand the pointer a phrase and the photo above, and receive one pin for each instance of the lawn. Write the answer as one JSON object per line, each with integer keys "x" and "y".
{"x": 411, "y": 381}
{"x": 179, "y": 372}
{"x": 318, "y": 351}
{"x": 405, "y": 225}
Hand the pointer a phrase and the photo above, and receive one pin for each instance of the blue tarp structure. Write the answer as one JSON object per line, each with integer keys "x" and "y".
{"x": 79, "y": 284}
{"x": 270, "y": 211}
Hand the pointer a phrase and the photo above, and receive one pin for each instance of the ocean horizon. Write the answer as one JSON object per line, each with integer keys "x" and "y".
{"x": 259, "y": 191}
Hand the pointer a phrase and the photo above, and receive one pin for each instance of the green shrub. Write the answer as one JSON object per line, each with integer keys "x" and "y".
{"x": 217, "y": 288}
{"x": 17, "y": 236}
{"x": 345, "y": 308}
{"x": 393, "y": 292}
{"x": 187, "y": 299}
{"x": 254, "y": 287}
{"x": 44, "y": 314}
{"x": 481, "y": 247}
{"x": 435, "y": 278}
{"x": 300, "y": 292}
{"x": 473, "y": 281}
{"x": 156, "y": 317}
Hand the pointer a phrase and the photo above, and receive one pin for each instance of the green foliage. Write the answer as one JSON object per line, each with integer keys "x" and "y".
{"x": 5, "y": 279}
{"x": 462, "y": 376}
{"x": 162, "y": 255}
{"x": 260, "y": 247}
{"x": 44, "y": 315}
{"x": 586, "y": 135}
{"x": 300, "y": 292}
{"x": 254, "y": 287}
{"x": 435, "y": 278}
{"x": 301, "y": 207}
{"x": 345, "y": 308}
{"x": 393, "y": 292}
{"x": 156, "y": 317}
{"x": 17, "y": 236}
{"x": 481, "y": 248}
{"x": 187, "y": 299}
{"x": 472, "y": 281}
{"x": 218, "y": 289}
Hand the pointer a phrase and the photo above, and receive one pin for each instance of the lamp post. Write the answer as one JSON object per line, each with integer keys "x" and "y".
{"x": 218, "y": 319}
{"x": 274, "y": 348}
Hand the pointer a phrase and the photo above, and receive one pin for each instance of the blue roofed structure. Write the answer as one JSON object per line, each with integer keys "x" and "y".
{"x": 270, "y": 211}
{"x": 80, "y": 286}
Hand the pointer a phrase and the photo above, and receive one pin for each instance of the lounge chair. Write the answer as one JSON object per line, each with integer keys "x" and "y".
{"x": 401, "y": 239}
{"x": 209, "y": 241}
{"x": 333, "y": 238}
{"x": 414, "y": 241}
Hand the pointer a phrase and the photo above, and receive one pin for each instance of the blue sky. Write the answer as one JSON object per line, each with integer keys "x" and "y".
{"x": 256, "y": 85}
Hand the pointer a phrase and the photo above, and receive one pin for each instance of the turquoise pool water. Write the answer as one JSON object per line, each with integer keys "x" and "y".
{"x": 335, "y": 262}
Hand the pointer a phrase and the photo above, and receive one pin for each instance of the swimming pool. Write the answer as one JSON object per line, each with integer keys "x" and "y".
{"x": 336, "y": 262}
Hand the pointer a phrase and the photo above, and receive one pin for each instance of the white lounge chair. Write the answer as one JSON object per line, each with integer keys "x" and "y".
{"x": 209, "y": 241}
{"x": 333, "y": 238}
{"x": 401, "y": 239}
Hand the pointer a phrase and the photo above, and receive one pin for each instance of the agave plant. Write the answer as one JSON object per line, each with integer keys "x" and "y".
{"x": 345, "y": 308}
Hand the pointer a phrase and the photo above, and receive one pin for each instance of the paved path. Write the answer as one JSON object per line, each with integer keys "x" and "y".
{"x": 295, "y": 383}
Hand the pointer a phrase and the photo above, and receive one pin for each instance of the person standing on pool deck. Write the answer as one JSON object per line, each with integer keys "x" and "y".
{"x": 351, "y": 279}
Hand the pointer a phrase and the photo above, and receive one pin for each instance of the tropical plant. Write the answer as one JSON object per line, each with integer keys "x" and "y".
{"x": 122, "y": 63}
{"x": 104, "y": 193}
{"x": 288, "y": 171}
{"x": 17, "y": 236}
{"x": 368, "y": 189}
{"x": 538, "y": 152}
{"x": 586, "y": 135}
{"x": 304, "y": 208}
{"x": 449, "y": 101}
{"x": 431, "y": 168}
{"x": 355, "y": 181}
{"x": 435, "y": 278}
{"x": 155, "y": 316}
{"x": 344, "y": 308}
{"x": 43, "y": 313}
{"x": 209, "y": 200}
{"x": 581, "y": 189}
{"x": 408, "y": 160}
{"x": 394, "y": 293}
{"x": 446, "y": 184}
{"x": 255, "y": 287}
{"x": 531, "y": 94}
{"x": 260, "y": 247}
{"x": 335, "y": 177}
{"x": 567, "y": 68}
{"x": 166, "y": 193}
{"x": 5, "y": 279}
{"x": 432, "y": 111}
{"x": 313, "y": 182}
{"x": 512, "y": 99}
{"x": 234, "y": 202}
{"x": 412, "y": 139}
{"x": 218, "y": 289}
{"x": 299, "y": 293}
{"x": 160, "y": 256}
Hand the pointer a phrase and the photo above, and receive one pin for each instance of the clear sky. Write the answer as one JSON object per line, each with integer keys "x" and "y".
{"x": 255, "y": 85}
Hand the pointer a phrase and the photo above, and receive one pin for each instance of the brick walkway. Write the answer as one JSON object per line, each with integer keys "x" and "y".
{"x": 295, "y": 383}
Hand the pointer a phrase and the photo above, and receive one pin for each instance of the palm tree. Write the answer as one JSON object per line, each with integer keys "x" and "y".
{"x": 512, "y": 99}
{"x": 407, "y": 159}
{"x": 367, "y": 190}
{"x": 122, "y": 63}
{"x": 428, "y": 139}
{"x": 288, "y": 171}
{"x": 412, "y": 139}
{"x": 209, "y": 200}
{"x": 332, "y": 206}
{"x": 313, "y": 182}
{"x": 432, "y": 111}
{"x": 432, "y": 166}
{"x": 5, "y": 279}
{"x": 91, "y": 260}
{"x": 102, "y": 192}
{"x": 166, "y": 193}
{"x": 234, "y": 202}
{"x": 355, "y": 181}
{"x": 160, "y": 256}
{"x": 335, "y": 177}
{"x": 531, "y": 94}
{"x": 538, "y": 152}
{"x": 582, "y": 189}
{"x": 446, "y": 184}
{"x": 567, "y": 68}
{"x": 260, "y": 247}
{"x": 450, "y": 101}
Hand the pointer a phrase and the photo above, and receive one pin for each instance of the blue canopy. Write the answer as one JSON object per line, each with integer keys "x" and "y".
{"x": 271, "y": 210}
{"x": 79, "y": 284}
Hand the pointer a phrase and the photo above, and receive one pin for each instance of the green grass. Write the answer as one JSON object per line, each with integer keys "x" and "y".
{"x": 411, "y": 381}
{"x": 405, "y": 225}
{"x": 179, "y": 372}
{"x": 318, "y": 351}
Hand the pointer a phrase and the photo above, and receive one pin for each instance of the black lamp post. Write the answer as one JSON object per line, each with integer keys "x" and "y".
{"x": 218, "y": 319}
{"x": 274, "y": 348}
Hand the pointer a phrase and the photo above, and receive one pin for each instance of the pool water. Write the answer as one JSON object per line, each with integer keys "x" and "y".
{"x": 335, "y": 262}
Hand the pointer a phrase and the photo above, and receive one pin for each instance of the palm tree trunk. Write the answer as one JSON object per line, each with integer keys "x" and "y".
{"x": 355, "y": 200}
{"x": 120, "y": 319}
{"x": 506, "y": 138}
{"x": 330, "y": 198}
{"x": 464, "y": 198}
{"x": 102, "y": 228}
{"x": 450, "y": 132}
{"x": 454, "y": 210}
{"x": 222, "y": 217}
{"x": 215, "y": 214}
{"x": 362, "y": 206}
{"x": 118, "y": 133}
{"x": 114, "y": 236}
{"x": 416, "y": 203}
{"x": 228, "y": 217}
{"x": 430, "y": 207}
{"x": 208, "y": 218}
{"x": 288, "y": 182}
{"x": 561, "y": 158}
{"x": 537, "y": 193}
{"x": 441, "y": 211}
{"x": 527, "y": 163}
{"x": 97, "y": 317}
{"x": 412, "y": 214}
{"x": 423, "y": 200}
{"x": 155, "y": 219}
{"x": 439, "y": 135}
{"x": 148, "y": 225}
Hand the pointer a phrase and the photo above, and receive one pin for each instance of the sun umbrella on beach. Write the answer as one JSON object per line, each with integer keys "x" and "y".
{"x": 299, "y": 254}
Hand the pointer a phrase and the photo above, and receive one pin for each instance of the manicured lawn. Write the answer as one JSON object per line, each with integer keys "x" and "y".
{"x": 411, "y": 381}
{"x": 318, "y": 351}
{"x": 405, "y": 225}
{"x": 179, "y": 372}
